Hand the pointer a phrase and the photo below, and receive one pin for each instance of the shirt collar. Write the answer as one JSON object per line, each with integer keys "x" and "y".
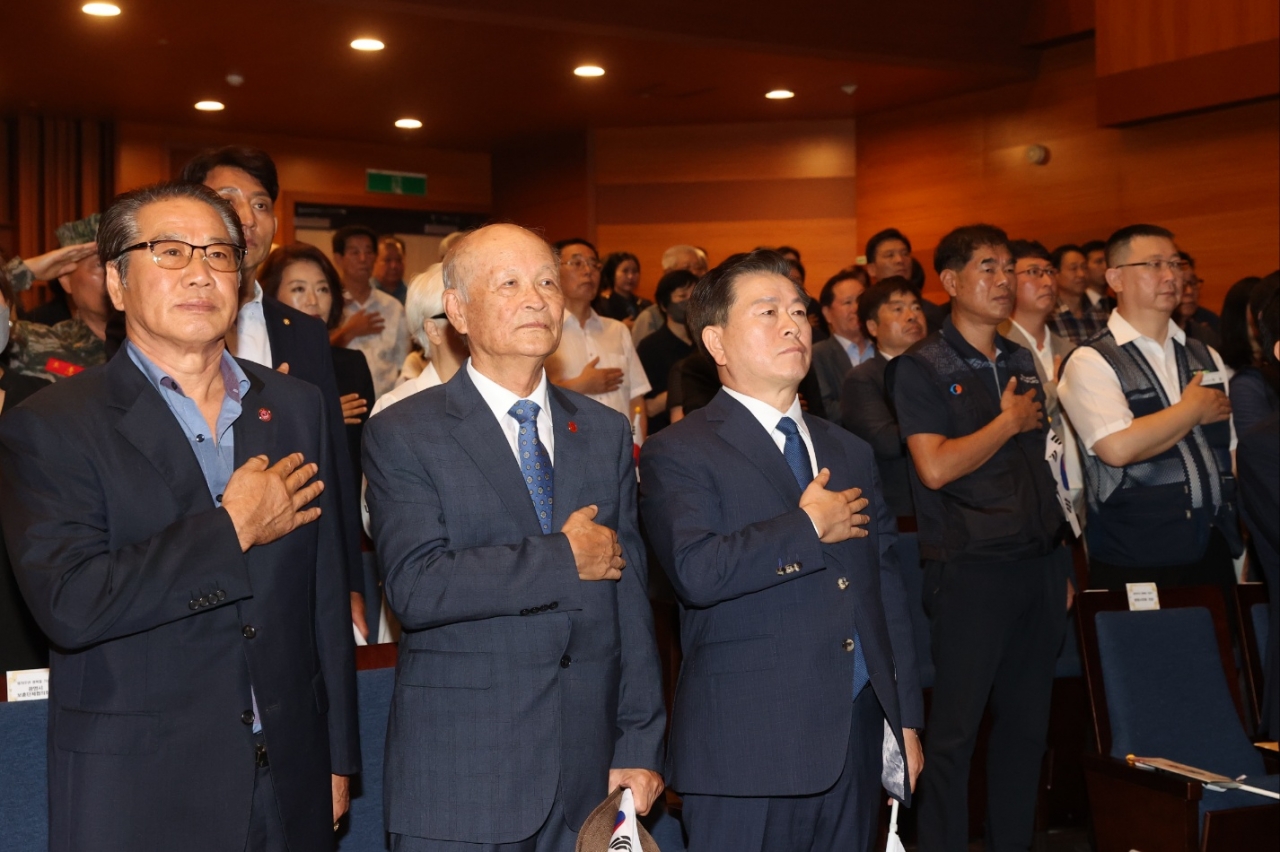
{"x": 257, "y": 295}
{"x": 499, "y": 399}
{"x": 1124, "y": 332}
{"x": 956, "y": 339}
{"x": 767, "y": 414}
{"x": 593, "y": 320}
{"x": 234, "y": 380}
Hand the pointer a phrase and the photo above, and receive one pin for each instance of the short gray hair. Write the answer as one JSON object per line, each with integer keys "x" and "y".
{"x": 424, "y": 301}
{"x": 119, "y": 226}
{"x": 671, "y": 256}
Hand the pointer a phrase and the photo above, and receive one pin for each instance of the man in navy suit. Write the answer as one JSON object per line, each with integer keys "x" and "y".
{"x": 169, "y": 536}
{"x": 503, "y": 510}
{"x": 798, "y": 691}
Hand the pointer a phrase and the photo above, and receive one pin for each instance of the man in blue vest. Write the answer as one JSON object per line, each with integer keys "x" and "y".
{"x": 1149, "y": 405}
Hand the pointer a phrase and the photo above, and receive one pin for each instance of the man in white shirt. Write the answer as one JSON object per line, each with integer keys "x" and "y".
{"x": 1154, "y": 421}
{"x": 372, "y": 321}
{"x": 596, "y": 355}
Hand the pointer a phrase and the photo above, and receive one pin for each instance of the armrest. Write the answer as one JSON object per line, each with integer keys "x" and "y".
{"x": 1158, "y": 782}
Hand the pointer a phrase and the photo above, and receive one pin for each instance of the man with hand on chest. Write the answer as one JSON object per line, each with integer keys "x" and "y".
{"x": 798, "y": 693}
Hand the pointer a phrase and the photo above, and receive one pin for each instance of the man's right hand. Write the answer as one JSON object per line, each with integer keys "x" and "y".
{"x": 1213, "y": 404}
{"x": 364, "y": 322}
{"x": 594, "y": 380}
{"x": 59, "y": 262}
{"x": 266, "y": 503}
{"x": 595, "y": 548}
{"x": 1026, "y": 413}
{"x": 834, "y": 513}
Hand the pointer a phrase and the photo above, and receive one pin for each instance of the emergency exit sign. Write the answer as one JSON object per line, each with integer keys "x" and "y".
{"x": 395, "y": 183}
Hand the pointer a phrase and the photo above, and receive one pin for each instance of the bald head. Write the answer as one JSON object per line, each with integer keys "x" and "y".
{"x": 488, "y": 244}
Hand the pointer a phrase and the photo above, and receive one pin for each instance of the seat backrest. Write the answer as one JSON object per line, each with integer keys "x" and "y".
{"x": 24, "y": 814}
{"x": 1167, "y": 693}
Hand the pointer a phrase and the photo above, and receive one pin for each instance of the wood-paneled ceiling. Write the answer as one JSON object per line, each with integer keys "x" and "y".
{"x": 482, "y": 73}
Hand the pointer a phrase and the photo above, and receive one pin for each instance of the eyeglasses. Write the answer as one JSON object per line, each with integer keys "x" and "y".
{"x": 176, "y": 254}
{"x": 1038, "y": 271}
{"x": 1158, "y": 264}
{"x": 581, "y": 263}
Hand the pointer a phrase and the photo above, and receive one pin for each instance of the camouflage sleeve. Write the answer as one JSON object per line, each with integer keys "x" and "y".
{"x": 54, "y": 352}
{"x": 19, "y": 275}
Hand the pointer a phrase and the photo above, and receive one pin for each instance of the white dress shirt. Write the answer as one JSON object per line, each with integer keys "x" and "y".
{"x": 500, "y": 400}
{"x": 428, "y": 378}
{"x": 769, "y": 417}
{"x": 249, "y": 340}
{"x": 609, "y": 340}
{"x": 386, "y": 350}
{"x": 1043, "y": 352}
{"x": 1090, "y": 391}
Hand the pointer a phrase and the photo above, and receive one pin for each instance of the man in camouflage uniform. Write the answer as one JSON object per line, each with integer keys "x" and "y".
{"x": 62, "y": 350}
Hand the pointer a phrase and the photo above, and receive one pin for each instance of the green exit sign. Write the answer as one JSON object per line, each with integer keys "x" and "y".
{"x": 395, "y": 183}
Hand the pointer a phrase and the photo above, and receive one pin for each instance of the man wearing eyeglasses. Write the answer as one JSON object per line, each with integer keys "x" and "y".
{"x": 1150, "y": 407}
{"x": 596, "y": 355}
{"x": 169, "y": 526}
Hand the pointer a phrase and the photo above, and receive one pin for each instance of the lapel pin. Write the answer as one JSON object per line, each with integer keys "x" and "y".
{"x": 957, "y": 389}
{"x": 288, "y": 321}
{"x": 573, "y": 427}
{"x": 264, "y": 414}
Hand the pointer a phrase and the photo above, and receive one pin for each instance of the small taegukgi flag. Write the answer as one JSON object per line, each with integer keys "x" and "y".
{"x": 626, "y": 834}
{"x": 895, "y": 841}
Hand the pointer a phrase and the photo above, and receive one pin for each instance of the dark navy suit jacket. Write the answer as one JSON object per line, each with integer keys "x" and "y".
{"x": 515, "y": 678}
{"x": 160, "y": 623}
{"x": 764, "y": 703}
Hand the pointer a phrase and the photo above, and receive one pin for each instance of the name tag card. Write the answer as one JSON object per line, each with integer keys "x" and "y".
{"x": 28, "y": 685}
{"x": 1142, "y": 596}
{"x": 1212, "y": 377}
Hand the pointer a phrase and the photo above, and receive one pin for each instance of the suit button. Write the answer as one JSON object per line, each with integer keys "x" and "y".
{"x": 843, "y": 583}
{"x": 247, "y": 717}
{"x": 848, "y": 644}
{"x": 222, "y": 596}
{"x": 555, "y": 604}
{"x": 248, "y": 632}
{"x": 524, "y": 612}
{"x": 565, "y": 661}
{"x": 193, "y": 604}
{"x": 204, "y": 602}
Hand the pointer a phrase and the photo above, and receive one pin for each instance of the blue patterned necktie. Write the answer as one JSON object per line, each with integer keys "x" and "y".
{"x": 797, "y": 456}
{"x": 535, "y": 464}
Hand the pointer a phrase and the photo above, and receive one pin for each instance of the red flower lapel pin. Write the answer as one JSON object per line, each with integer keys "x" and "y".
{"x": 573, "y": 427}
{"x": 264, "y": 414}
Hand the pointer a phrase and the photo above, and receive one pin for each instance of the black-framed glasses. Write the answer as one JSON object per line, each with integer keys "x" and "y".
{"x": 176, "y": 254}
{"x": 1038, "y": 271}
{"x": 1176, "y": 265}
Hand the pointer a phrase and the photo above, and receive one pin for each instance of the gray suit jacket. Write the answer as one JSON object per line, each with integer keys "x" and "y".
{"x": 1059, "y": 346}
{"x": 517, "y": 682}
{"x": 831, "y": 363}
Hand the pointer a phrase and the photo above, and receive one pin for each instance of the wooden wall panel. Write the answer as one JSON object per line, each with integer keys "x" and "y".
{"x": 545, "y": 184}
{"x": 1140, "y": 33}
{"x": 728, "y": 188}
{"x": 1213, "y": 178}
{"x": 148, "y": 153}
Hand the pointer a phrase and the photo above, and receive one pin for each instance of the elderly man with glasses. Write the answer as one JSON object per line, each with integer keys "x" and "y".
{"x": 1150, "y": 407}
{"x": 596, "y": 356}
{"x": 169, "y": 526}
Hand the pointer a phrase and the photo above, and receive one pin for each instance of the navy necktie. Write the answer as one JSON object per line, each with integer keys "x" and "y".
{"x": 535, "y": 463}
{"x": 797, "y": 456}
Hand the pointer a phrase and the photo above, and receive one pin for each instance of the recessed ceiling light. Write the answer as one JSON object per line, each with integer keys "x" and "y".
{"x": 589, "y": 71}
{"x": 102, "y": 10}
{"x": 210, "y": 106}
{"x": 780, "y": 94}
{"x": 367, "y": 44}
{"x": 408, "y": 123}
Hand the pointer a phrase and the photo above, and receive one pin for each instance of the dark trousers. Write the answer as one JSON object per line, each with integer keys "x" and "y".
{"x": 842, "y": 818}
{"x": 266, "y": 828}
{"x": 554, "y": 836}
{"x": 997, "y": 629}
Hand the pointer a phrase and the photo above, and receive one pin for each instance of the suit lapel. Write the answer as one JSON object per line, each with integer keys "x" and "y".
{"x": 480, "y": 436}
{"x": 745, "y": 434}
{"x": 571, "y": 457}
{"x": 253, "y": 429}
{"x": 149, "y": 425}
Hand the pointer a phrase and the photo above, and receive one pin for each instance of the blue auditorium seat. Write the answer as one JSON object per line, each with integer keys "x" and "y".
{"x": 24, "y": 803}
